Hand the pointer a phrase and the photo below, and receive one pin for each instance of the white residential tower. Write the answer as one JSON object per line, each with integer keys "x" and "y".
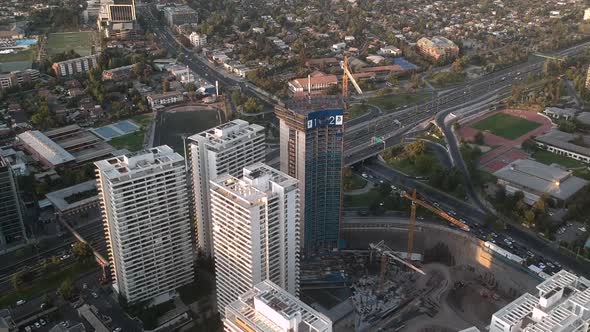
{"x": 145, "y": 209}
{"x": 227, "y": 148}
{"x": 256, "y": 231}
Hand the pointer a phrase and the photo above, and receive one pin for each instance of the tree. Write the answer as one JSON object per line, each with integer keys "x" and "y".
{"x": 190, "y": 87}
{"x": 82, "y": 251}
{"x": 424, "y": 163}
{"x": 392, "y": 79}
{"x": 415, "y": 148}
{"x": 529, "y": 217}
{"x": 478, "y": 138}
{"x": 66, "y": 289}
{"x": 456, "y": 125}
{"x": 17, "y": 280}
{"x": 166, "y": 85}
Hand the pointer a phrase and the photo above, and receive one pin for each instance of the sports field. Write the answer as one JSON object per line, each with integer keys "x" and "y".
{"x": 81, "y": 42}
{"x": 505, "y": 125}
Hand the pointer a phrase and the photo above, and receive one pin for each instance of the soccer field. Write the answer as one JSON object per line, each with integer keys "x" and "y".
{"x": 81, "y": 42}
{"x": 505, "y": 125}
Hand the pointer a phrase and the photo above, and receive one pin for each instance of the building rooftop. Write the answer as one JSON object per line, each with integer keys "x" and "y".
{"x": 302, "y": 83}
{"x": 562, "y": 140}
{"x": 541, "y": 178}
{"x": 45, "y": 147}
{"x": 305, "y": 105}
{"x": 262, "y": 176}
{"x": 227, "y": 134}
{"x": 138, "y": 163}
{"x": 438, "y": 41}
{"x": 267, "y": 307}
{"x": 258, "y": 182}
{"x": 563, "y": 304}
{"x": 59, "y": 198}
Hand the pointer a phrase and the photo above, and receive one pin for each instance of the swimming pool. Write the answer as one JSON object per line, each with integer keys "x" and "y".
{"x": 26, "y": 42}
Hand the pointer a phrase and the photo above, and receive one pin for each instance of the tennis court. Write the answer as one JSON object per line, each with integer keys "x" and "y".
{"x": 117, "y": 129}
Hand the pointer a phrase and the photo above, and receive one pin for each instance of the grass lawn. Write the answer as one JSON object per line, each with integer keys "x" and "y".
{"x": 405, "y": 166}
{"x": 390, "y": 102}
{"x": 131, "y": 142}
{"x": 582, "y": 173}
{"x": 442, "y": 79}
{"x": 357, "y": 110}
{"x": 81, "y": 42}
{"x": 505, "y": 125}
{"x": 549, "y": 158}
{"x": 354, "y": 182}
{"x": 26, "y": 55}
{"x": 144, "y": 120}
{"x": 47, "y": 283}
{"x": 363, "y": 200}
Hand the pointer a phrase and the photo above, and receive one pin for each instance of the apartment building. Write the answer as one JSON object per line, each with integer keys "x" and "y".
{"x": 158, "y": 100}
{"x": 145, "y": 209}
{"x": 180, "y": 14}
{"x": 227, "y": 148}
{"x": 198, "y": 39}
{"x": 18, "y": 78}
{"x": 268, "y": 307}
{"x": 74, "y": 66}
{"x": 311, "y": 146}
{"x": 117, "y": 74}
{"x": 438, "y": 48}
{"x": 256, "y": 222}
{"x": 12, "y": 228}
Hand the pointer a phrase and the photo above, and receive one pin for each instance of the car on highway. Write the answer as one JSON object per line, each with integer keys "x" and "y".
{"x": 42, "y": 321}
{"x": 94, "y": 295}
{"x": 118, "y": 329}
{"x": 37, "y": 325}
{"x": 20, "y": 302}
{"x": 65, "y": 323}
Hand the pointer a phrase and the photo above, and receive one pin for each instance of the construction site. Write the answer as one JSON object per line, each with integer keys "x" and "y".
{"x": 448, "y": 282}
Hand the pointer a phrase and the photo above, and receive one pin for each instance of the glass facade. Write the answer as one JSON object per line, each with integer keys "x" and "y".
{"x": 11, "y": 222}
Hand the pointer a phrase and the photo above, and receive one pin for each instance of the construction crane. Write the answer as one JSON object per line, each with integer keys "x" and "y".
{"x": 386, "y": 254}
{"x": 415, "y": 201}
{"x": 347, "y": 76}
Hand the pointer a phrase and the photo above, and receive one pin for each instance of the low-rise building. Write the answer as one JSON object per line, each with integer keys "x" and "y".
{"x": 390, "y": 50}
{"x": 18, "y": 78}
{"x": 563, "y": 144}
{"x": 74, "y": 66}
{"x": 65, "y": 146}
{"x": 180, "y": 14}
{"x": 438, "y": 48}
{"x": 338, "y": 47}
{"x": 267, "y": 307}
{"x": 315, "y": 84}
{"x": 198, "y": 39}
{"x": 560, "y": 113}
{"x": 163, "y": 99}
{"x": 117, "y": 74}
{"x": 535, "y": 179}
{"x": 90, "y": 315}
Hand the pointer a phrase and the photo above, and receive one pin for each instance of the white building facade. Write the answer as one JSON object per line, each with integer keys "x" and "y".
{"x": 256, "y": 231}
{"x": 145, "y": 209}
{"x": 227, "y": 148}
{"x": 562, "y": 304}
{"x": 267, "y": 307}
{"x": 198, "y": 40}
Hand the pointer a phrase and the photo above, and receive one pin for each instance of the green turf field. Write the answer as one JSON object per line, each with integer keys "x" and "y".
{"x": 505, "y": 125}
{"x": 81, "y": 42}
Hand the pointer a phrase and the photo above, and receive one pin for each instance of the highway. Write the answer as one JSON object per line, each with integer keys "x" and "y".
{"x": 522, "y": 241}
{"x": 389, "y": 127}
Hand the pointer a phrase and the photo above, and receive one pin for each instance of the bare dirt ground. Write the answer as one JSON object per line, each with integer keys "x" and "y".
{"x": 458, "y": 301}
